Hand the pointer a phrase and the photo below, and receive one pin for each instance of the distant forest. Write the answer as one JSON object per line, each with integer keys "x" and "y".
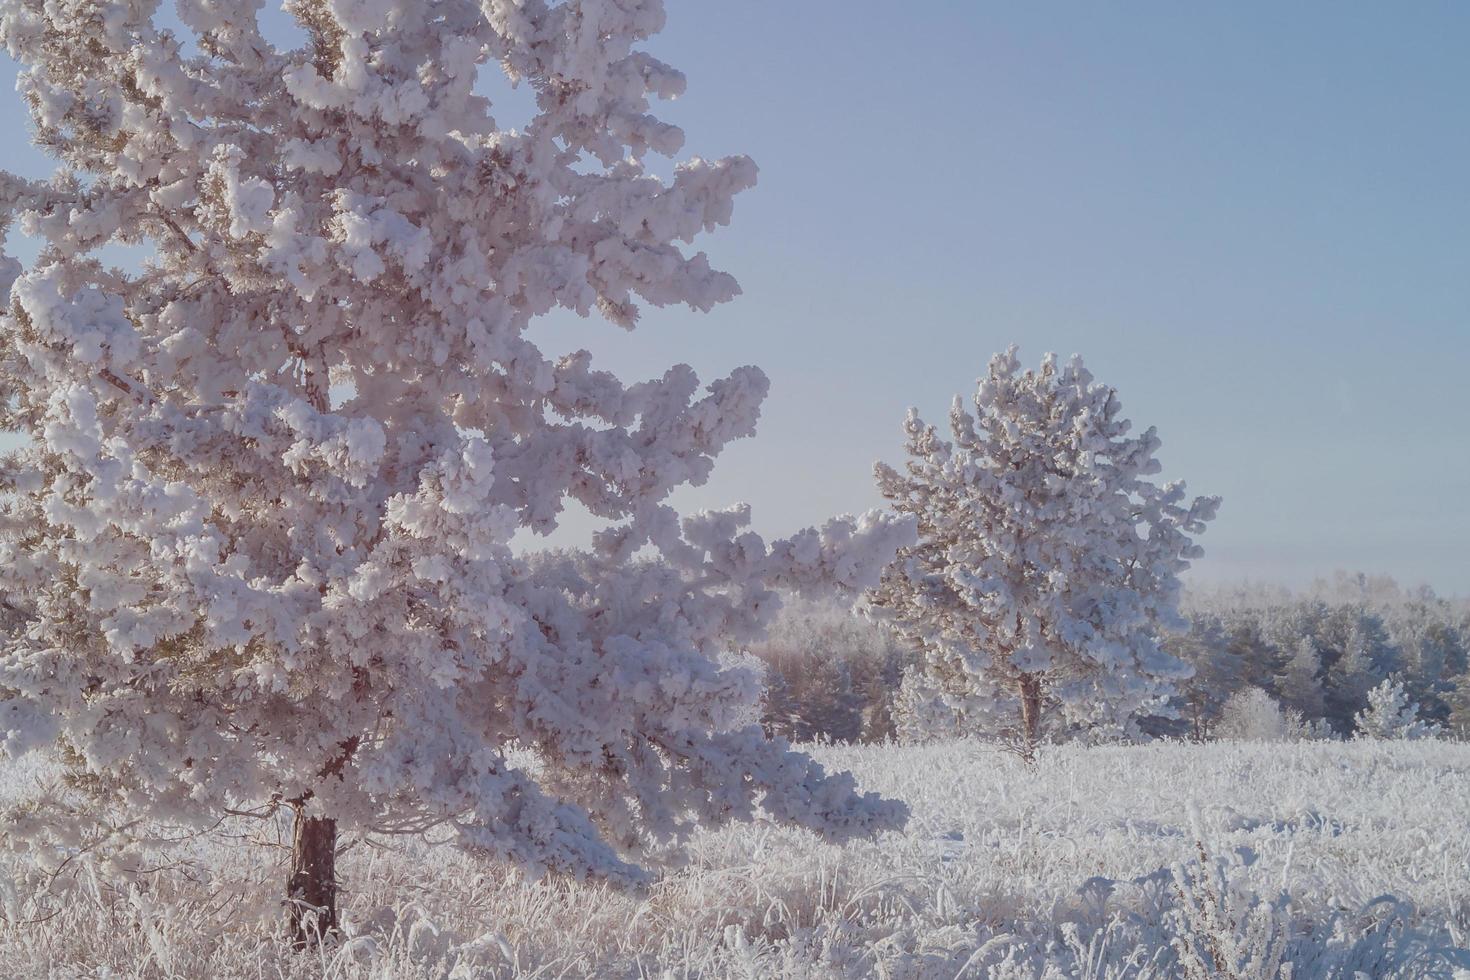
{"x": 1317, "y": 652}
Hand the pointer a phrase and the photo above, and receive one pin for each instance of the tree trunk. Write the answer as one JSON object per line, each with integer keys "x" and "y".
{"x": 1030, "y": 714}
{"x": 311, "y": 891}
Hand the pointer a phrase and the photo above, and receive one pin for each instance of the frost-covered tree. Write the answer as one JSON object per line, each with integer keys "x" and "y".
{"x": 1351, "y": 674}
{"x": 1457, "y": 707}
{"x": 1048, "y": 561}
{"x": 1391, "y": 714}
{"x": 1432, "y": 652}
{"x": 1300, "y": 683}
{"x": 1217, "y": 671}
{"x": 258, "y": 543}
{"x": 1261, "y": 659}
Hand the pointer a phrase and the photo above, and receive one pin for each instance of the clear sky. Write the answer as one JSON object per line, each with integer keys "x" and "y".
{"x": 1253, "y": 219}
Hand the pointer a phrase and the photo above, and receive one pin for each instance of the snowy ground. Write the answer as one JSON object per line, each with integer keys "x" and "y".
{"x": 1068, "y": 869}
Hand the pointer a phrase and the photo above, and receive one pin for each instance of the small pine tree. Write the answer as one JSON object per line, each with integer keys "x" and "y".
{"x": 1218, "y": 668}
{"x": 1390, "y": 714}
{"x": 1047, "y": 568}
{"x": 1349, "y": 679}
{"x": 1261, "y": 658}
{"x": 1457, "y": 701}
{"x": 1300, "y": 684}
{"x": 1433, "y": 650}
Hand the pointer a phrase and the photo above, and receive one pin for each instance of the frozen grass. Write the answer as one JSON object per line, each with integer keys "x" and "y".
{"x": 1089, "y": 864}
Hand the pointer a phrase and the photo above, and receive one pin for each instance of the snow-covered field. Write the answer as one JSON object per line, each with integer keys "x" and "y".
{"x": 1086, "y": 865}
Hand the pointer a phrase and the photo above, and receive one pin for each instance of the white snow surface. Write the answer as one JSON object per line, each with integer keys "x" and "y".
{"x": 1063, "y": 869}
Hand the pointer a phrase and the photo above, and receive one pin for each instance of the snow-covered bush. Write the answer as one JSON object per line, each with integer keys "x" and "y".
{"x": 1390, "y": 714}
{"x": 1303, "y": 729}
{"x": 1048, "y": 561}
{"x": 1252, "y": 715}
{"x": 1220, "y": 932}
{"x": 259, "y": 539}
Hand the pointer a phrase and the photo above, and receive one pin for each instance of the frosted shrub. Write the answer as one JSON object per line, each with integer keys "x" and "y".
{"x": 1303, "y": 729}
{"x": 1390, "y": 714}
{"x": 1252, "y": 715}
{"x": 1219, "y": 932}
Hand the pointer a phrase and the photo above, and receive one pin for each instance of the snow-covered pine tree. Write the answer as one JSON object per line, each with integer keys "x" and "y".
{"x": 1261, "y": 659}
{"x": 1217, "y": 671}
{"x": 1457, "y": 704}
{"x": 1048, "y": 561}
{"x": 1300, "y": 683}
{"x": 1351, "y": 675}
{"x": 1432, "y": 651}
{"x": 1391, "y": 714}
{"x": 258, "y": 542}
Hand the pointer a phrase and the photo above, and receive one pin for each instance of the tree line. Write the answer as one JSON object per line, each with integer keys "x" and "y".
{"x": 1318, "y": 653}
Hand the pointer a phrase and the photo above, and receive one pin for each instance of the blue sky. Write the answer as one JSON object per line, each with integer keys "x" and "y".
{"x": 1252, "y": 219}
